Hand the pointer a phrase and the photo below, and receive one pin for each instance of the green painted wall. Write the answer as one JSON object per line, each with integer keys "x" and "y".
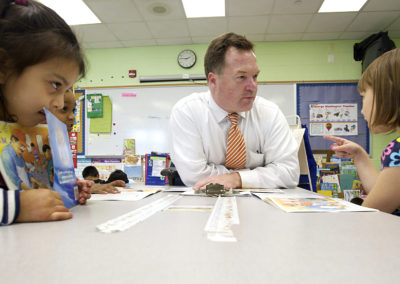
{"x": 278, "y": 61}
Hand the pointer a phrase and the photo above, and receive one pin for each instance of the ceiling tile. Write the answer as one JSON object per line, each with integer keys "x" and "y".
{"x": 354, "y": 35}
{"x": 207, "y": 27}
{"x": 202, "y": 39}
{"x": 321, "y": 36}
{"x": 283, "y": 37}
{"x": 174, "y": 41}
{"x": 395, "y": 25}
{"x": 169, "y": 29}
{"x": 102, "y": 44}
{"x": 297, "y": 7}
{"x": 255, "y": 37}
{"x": 372, "y": 21}
{"x": 244, "y": 25}
{"x": 382, "y": 5}
{"x": 96, "y": 32}
{"x": 130, "y": 31}
{"x": 248, "y": 8}
{"x": 122, "y": 11}
{"x": 139, "y": 42}
{"x": 289, "y": 23}
{"x": 330, "y": 22}
{"x": 148, "y": 9}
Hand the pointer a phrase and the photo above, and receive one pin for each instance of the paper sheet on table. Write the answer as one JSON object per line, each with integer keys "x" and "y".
{"x": 125, "y": 195}
{"x": 295, "y": 203}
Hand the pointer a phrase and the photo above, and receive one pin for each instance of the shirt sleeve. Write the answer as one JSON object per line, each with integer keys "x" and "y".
{"x": 187, "y": 151}
{"x": 11, "y": 168}
{"x": 9, "y": 206}
{"x": 281, "y": 165}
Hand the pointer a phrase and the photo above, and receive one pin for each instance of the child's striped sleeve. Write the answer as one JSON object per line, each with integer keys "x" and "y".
{"x": 9, "y": 206}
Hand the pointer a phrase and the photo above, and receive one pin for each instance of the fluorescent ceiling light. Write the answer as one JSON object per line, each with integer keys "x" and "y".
{"x": 204, "y": 8}
{"x": 341, "y": 6}
{"x": 74, "y": 12}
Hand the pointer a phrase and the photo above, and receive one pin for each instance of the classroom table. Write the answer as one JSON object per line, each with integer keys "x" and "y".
{"x": 172, "y": 247}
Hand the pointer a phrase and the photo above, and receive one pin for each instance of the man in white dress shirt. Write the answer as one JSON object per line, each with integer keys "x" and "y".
{"x": 199, "y": 125}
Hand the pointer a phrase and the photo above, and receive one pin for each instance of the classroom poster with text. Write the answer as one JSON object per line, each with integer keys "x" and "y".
{"x": 333, "y": 119}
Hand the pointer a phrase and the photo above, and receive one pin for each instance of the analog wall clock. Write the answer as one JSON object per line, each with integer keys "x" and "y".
{"x": 187, "y": 58}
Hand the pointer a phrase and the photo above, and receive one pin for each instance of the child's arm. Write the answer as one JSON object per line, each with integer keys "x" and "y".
{"x": 42, "y": 205}
{"x": 9, "y": 207}
{"x": 346, "y": 149}
{"x": 385, "y": 195}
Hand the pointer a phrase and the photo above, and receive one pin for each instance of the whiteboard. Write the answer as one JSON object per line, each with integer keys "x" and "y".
{"x": 142, "y": 113}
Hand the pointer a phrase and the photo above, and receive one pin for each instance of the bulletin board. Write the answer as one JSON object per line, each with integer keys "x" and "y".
{"x": 80, "y": 120}
{"x": 142, "y": 113}
{"x": 333, "y": 94}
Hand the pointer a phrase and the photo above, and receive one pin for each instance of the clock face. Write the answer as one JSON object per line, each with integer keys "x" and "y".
{"x": 186, "y": 58}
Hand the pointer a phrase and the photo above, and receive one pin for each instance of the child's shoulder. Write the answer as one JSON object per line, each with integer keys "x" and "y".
{"x": 391, "y": 154}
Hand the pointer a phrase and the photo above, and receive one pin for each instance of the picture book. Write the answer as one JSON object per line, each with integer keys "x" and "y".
{"x": 64, "y": 174}
{"x": 315, "y": 204}
{"x": 31, "y": 160}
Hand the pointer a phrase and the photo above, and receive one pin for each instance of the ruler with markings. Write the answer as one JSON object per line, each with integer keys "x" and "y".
{"x": 224, "y": 215}
{"x": 130, "y": 219}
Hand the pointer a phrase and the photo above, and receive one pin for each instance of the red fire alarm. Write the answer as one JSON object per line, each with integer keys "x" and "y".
{"x": 132, "y": 73}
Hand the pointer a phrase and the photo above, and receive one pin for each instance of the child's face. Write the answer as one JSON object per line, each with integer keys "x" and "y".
{"x": 367, "y": 100}
{"x": 47, "y": 154}
{"x": 368, "y": 111}
{"x": 40, "y": 85}
{"x": 66, "y": 114}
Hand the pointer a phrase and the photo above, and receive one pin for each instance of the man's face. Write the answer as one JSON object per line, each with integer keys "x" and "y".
{"x": 235, "y": 89}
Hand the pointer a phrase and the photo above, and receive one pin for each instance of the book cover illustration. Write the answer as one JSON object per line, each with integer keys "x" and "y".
{"x": 315, "y": 204}
{"x": 28, "y": 160}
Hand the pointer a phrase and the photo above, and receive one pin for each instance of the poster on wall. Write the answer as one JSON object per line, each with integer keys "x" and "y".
{"x": 333, "y": 119}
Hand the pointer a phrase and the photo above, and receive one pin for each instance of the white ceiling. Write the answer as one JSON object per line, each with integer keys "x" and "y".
{"x": 127, "y": 23}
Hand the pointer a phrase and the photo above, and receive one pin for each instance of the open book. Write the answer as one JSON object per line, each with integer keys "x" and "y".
{"x": 32, "y": 159}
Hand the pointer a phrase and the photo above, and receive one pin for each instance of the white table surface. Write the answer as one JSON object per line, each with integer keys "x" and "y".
{"x": 172, "y": 247}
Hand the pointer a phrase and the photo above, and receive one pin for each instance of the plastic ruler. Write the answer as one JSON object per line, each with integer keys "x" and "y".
{"x": 130, "y": 219}
{"x": 224, "y": 215}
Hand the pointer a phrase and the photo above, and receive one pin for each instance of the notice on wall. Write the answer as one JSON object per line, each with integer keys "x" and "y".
{"x": 333, "y": 119}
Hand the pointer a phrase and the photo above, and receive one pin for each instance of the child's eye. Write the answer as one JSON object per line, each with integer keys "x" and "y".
{"x": 55, "y": 85}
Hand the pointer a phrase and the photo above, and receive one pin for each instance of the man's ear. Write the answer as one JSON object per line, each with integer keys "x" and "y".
{"x": 212, "y": 81}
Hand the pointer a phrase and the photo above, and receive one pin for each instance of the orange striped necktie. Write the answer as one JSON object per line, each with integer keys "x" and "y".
{"x": 236, "y": 148}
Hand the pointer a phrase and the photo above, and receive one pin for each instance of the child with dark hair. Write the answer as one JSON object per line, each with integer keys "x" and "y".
{"x": 100, "y": 186}
{"x": 91, "y": 173}
{"x": 40, "y": 59}
{"x": 118, "y": 175}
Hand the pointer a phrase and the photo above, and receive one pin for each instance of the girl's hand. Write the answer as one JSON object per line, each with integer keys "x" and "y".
{"x": 84, "y": 190}
{"x": 344, "y": 148}
{"x": 42, "y": 205}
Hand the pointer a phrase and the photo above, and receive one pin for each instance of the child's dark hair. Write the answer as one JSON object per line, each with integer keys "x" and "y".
{"x": 118, "y": 175}
{"x": 45, "y": 147}
{"x": 90, "y": 171}
{"x": 31, "y": 33}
